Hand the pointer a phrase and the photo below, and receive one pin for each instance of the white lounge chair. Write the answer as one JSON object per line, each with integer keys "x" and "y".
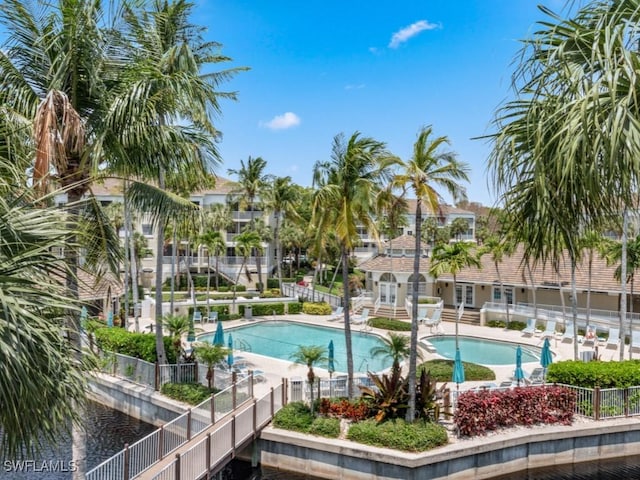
{"x": 568, "y": 332}
{"x": 530, "y": 329}
{"x": 590, "y": 336}
{"x": 614, "y": 338}
{"x": 338, "y": 314}
{"x": 434, "y": 321}
{"x": 550, "y": 329}
{"x": 362, "y": 318}
{"x": 197, "y": 316}
{"x": 213, "y": 316}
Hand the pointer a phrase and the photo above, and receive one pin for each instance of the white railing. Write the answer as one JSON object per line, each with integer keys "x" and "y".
{"x": 140, "y": 456}
{"x": 361, "y": 300}
{"x": 294, "y": 290}
{"x": 376, "y": 306}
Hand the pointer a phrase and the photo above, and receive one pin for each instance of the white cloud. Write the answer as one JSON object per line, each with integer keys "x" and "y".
{"x": 412, "y": 30}
{"x": 282, "y": 122}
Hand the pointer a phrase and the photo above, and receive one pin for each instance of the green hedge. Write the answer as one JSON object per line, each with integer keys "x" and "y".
{"x": 398, "y": 434}
{"x": 263, "y": 309}
{"x": 591, "y": 374}
{"x": 316, "y": 308}
{"x": 513, "y": 325}
{"x": 294, "y": 308}
{"x": 442, "y": 371}
{"x": 221, "y": 309}
{"x": 191, "y": 393}
{"x": 138, "y": 345}
{"x": 390, "y": 324}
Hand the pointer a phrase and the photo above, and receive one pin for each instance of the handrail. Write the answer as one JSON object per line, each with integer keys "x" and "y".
{"x": 376, "y": 306}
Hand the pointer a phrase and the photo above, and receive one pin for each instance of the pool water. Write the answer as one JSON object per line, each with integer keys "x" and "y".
{"x": 482, "y": 351}
{"x": 280, "y": 339}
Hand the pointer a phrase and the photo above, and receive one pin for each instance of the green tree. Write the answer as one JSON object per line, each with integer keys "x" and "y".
{"x": 310, "y": 355}
{"x": 458, "y": 227}
{"x": 430, "y": 167}
{"x": 395, "y": 346}
{"x": 347, "y": 187}
{"x": 177, "y": 326}
{"x": 498, "y": 248}
{"x": 246, "y": 242}
{"x": 216, "y": 246}
{"x": 211, "y": 355}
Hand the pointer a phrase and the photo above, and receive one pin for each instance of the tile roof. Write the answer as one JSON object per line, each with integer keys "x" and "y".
{"x": 113, "y": 187}
{"x": 445, "y": 209}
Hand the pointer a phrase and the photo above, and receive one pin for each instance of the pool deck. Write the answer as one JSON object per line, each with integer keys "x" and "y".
{"x": 275, "y": 370}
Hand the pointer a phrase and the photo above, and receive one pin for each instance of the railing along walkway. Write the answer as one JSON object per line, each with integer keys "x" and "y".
{"x": 210, "y": 450}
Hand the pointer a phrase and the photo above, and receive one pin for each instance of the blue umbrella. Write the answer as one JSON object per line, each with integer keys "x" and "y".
{"x": 331, "y": 367}
{"x": 110, "y": 319}
{"x": 218, "y": 337}
{"x": 230, "y": 354}
{"x": 545, "y": 356}
{"x": 458, "y": 370}
{"x": 519, "y": 373}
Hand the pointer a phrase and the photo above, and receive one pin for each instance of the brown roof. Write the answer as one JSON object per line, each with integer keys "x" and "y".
{"x": 404, "y": 242}
{"x": 445, "y": 209}
{"x": 113, "y": 186}
{"x": 90, "y": 288}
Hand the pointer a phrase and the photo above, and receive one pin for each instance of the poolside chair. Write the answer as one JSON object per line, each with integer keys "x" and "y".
{"x": 569, "y": 331}
{"x": 197, "y": 316}
{"x": 213, "y": 317}
{"x": 549, "y": 330}
{"x": 536, "y": 377}
{"x": 434, "y": 322}
{"x": 338, "y": 314}
{"x": 362, "y": 319}
{"x": 614, "y": 338}
{"x": 590, "y": 336}
{"x": 530, "y": 329}
{"x": 635, "y": 340}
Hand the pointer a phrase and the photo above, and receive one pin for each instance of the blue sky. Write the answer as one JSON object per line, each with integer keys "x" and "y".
{"x": 381, "y": 68}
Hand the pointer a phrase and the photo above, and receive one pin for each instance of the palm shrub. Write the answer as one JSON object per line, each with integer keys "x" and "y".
{"x": 388, "y": 395}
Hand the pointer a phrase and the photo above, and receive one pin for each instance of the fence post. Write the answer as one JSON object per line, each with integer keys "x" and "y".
{"x": 208, "y": 453}
{"x": 625, "y": 394}
{"x": 234, "y": 391}
{"x": 285, "y": 391}
{"x": 272, "y": 402}
{"x": 160, "y": 442}
{"x": 127, "y": 456}
{"x": 251, "y": 383}
{"x": 189, "y": 424}
{"x": 213, "y": 409}
{"x": 596, "y": 403}
{"x": 197, "y": 372}
{"x": 177, "y": 469}
{"x": 233, "y": 432}
{"x": 156, "y": 381}
{"x": 255, "y": 418}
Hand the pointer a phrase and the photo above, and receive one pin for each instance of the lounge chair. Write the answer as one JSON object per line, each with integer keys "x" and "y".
{"x": 569, "y": 332}
{"x": 614, "y": 338}
{"x": 434, "y": 321}
{"x": 536, "y": 377}
{"x": 362, "y": 319}
{"x": 530, "y": 329}
{"x": 197, "y": 316}
{"x": 550, "y": 329}
{"x": 590, "y": 336}
{"x": 635, "y": 340}
{"x": 338, "y": 314}
{"x": 213, "y": 317}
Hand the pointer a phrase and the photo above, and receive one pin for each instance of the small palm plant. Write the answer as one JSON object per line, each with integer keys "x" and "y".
{"x": 396, "y": 347}
{"x": 388, "y": 396}
{"x": 176, "y": 325}
{"x": 210, "y": 355}
{"x": 310, "y": 355}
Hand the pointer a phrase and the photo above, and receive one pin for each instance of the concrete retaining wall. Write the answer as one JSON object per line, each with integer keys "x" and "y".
{"x": 481, "y": 458}
{"x": 135, "y": 400}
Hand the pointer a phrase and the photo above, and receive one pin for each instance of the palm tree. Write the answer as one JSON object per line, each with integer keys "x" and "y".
{"x": 252, "y": 182}
{"x": 177, "y": 326}
{"x": 499, "y": 247}
{"x": 211, "y": 355}
{"x": 217, "y": 217}
{"x": 429, "y": 168}
{"x": 397, "y": 347}
{"x": 281, "y": 196}
{"x": 452, "y": 258}
{"x": 347, "y": 187}
{"x": 310, "y": 355}
{"x": 246, "y": 242}
{"x": 592, "y": 242}
{"x": 216, "y": 245}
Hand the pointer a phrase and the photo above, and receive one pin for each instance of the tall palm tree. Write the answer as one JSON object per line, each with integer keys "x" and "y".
{"x": 281, "y": 196}
{"x": 176, "y": 326}
{"x": 211, "y": 355}
{"x": 395, "y": 346}
{"x": 347, "y": 187}
{"x": 310, "y": 355}
{"x": 216, "y": 245}
{"x": 429, "y": 168}
{"x": 592, "y": 242}
{"x": 251, "y": 184}
{"x": 452, "y": 258}
{"x": 498, "y": 248}
{"x": 245, "y": 243}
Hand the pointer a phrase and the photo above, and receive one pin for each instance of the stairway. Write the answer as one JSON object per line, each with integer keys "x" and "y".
{"x": 469, "y": 316}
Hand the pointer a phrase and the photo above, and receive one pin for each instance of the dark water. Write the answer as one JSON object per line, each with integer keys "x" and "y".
{"x": 107, "y": 432}
{"x": 620, "y": 469}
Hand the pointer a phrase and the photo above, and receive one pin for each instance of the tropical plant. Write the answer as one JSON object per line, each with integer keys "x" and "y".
{"x": 499, "y": 247}
{"x": 216, "y": 245}
{"x": 177, "y": 326}
{"x": 246, "y": 242}
{"x": 347, "y": 187}
{"x": 310, "y": 355}
{"x": 211, "y": 355}
{"x": 395, "y": 346}
{"x": 388, "y": 395}
{"x": 429, "y": 168}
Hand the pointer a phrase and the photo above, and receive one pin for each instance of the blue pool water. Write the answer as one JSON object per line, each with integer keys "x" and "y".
{"x": 482, "y": 351}
{"x": 280, "y": 339}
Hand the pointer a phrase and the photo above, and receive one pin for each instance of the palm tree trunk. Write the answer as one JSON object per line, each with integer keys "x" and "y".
{"x": 623, "y": 280}
{"x": 134, "y": 265}
{"x": 208, "y": 283}
{"x": 533, "y": 291}
{"x": 160, "y": 353}
{"x": 413, "y": 348}
{"x": 589, "y": 288}
{"x": 631, "y": 315}
{"x": 455, "y": 306}
{"x": 502, "y": 293}
{"x": 127, "y": 233}
{"x": 335, "y": 273}
{"x": 574, "y": 307}
{"x": 347, "y": 325}
{"x": 174, "y": 254}
{"x": 276, "y": 241}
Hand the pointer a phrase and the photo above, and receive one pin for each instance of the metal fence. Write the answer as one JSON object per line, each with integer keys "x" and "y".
{"x": 324, "y": 387}
{"x": 141, "y": 455}
{"x": 298, "y": 291}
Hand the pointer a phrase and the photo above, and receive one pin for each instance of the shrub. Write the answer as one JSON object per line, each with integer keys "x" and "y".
{"x": 316, "y": 308}
{"x": 138, "y": 345}
{"x": 482, "y": 411}
{"x": 191, "y": 393}
{"x": 273, "y": 283}
{"x": 325, "y": 427}
{"x": 513, "y": 325}
{"x": 294, "y": 307}
{"x": 591, "y": 374}
{"x": 294, "y": 416}
{"x": 390, "y": 324}
{"x": 355, "y": 410}
{"x": 262, "y": 309}
{"x": 397, "y": 434}
{"x": 442, "y": 371}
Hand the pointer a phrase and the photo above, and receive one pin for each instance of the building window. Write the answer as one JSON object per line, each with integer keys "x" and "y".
{"x": 505, "y": 295}
{"x": 147, "y": 229}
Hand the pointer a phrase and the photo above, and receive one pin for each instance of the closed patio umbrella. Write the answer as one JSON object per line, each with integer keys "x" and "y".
{"x": 230, "y": 355}
{"x": 218, "y": 337}
{"x": 110, "y": 319}
{"x": 331, "y": 364}
{"x": 519, "y": 373}
{"x": 458, "y": 370}
{"x": 83, "y": 317}
{"x": 545, "y": 357}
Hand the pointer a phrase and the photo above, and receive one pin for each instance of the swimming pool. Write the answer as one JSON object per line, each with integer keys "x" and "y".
{"x": 280, "y": 338}
{"x": 483, "y": 351}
